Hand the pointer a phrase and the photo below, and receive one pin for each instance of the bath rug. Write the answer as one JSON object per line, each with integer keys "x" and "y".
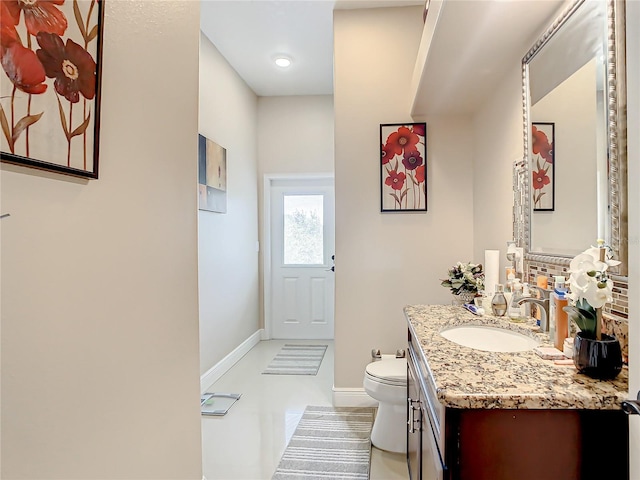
{"x": 297, "y": 360}
{"x": 329, "y": 443}
{"x": 217, "y": 404}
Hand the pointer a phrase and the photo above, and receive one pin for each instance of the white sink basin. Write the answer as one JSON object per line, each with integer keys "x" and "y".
{"x": 490, "y": 339}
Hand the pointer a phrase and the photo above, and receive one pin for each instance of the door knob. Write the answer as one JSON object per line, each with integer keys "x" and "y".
{"x": 632, "y": 407}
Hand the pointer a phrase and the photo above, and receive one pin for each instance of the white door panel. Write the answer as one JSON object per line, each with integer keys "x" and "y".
{"x": 302, "y": 245}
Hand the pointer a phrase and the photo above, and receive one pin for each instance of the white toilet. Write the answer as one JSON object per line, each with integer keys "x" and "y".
{"x": 385, "y": 380}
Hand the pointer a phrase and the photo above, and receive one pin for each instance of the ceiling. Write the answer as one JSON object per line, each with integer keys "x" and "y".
{"x": 474, "y": 45}
{"x": 473, "y": 42}
{"x": 251, "y": 33}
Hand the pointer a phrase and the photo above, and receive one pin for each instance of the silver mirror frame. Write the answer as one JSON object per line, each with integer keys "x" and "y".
{"x": 617, "y": 144}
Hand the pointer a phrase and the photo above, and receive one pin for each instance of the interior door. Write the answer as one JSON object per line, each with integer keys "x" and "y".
{"x": 302, "y": 249}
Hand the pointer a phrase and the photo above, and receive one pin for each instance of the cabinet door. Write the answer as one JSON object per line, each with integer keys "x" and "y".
{"x": 431, "y": 466}
{"x": 413, "y": 423}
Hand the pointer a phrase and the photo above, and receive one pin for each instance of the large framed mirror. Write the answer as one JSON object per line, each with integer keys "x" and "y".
{"x": 571, "y": 187}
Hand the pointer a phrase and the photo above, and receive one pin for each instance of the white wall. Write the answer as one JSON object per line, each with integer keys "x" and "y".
{"x": 227, "y": 243}
{"x": 386, "y": 261}
{"x": 99, "y": 278}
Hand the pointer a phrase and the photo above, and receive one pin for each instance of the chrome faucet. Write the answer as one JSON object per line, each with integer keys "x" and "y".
{"x": 542, "y": 304}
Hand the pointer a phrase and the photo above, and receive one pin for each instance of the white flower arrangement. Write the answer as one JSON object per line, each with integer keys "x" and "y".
{"x": 464, "y": 277}
{"x": 590, "y": 287}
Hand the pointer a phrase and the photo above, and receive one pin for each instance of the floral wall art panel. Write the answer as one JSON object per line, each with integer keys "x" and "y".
{"x": 403, "y": 179}
{"x": 50, "y": 89}
{"x": 212, "y": 176}
{"x": 543, "y": 166}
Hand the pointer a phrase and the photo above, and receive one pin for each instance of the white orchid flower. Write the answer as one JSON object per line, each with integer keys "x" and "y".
{"x": 594, "y": 252}
{"x": 613, "y": 263}
{"x": 589, "y": 280}
{"x": 578, "y": 284}
{"x": 597, "y": 296}
{"x": 584, "y": 262}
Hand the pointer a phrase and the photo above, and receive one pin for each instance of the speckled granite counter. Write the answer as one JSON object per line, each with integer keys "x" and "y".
{"x": 469, "y": 378}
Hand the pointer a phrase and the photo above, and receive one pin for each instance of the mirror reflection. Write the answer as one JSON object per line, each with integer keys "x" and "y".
{"x": 568, "y": 160}
{"x": 571, "y": 187}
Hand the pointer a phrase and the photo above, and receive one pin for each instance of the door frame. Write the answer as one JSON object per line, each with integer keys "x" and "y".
{"x": 268, "y": 183}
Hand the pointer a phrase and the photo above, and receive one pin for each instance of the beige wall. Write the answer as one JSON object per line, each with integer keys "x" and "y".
{"x": 227, "y": 243}
{"x": 295, "y": 134}
{"x": 385, "y": 261}
{"x": 497, "y": 144}
{"x": 99, "y": 278}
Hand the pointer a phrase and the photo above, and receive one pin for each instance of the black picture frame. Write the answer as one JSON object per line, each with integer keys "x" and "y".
{"x": 543, "y": 161}
{"x": 403, "y": 167}
{"x": 50, "y": 101}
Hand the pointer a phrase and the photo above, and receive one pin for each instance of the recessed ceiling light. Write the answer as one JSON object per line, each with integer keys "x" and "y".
{"x": 283, "y": 62}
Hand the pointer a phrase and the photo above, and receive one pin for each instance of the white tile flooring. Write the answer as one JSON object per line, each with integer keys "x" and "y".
{"x": 248, "y": 441}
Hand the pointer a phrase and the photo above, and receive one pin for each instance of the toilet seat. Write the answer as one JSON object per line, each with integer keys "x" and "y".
{"x": 386, "y": 382}
{"x": 388, "y": 372}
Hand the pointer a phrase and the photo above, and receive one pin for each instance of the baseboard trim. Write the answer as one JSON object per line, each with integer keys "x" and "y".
{"x": 352, "y": 397}
{"x": 220, "y": 368}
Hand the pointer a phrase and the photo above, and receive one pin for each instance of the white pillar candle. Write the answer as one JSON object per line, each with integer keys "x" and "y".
{"x": 491, "y": 271}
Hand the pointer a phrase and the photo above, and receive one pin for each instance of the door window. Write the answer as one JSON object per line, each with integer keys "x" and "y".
{"x": 303, "y": 230}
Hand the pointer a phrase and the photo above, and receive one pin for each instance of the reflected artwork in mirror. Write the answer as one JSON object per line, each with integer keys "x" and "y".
{"x": 574, "y": 78}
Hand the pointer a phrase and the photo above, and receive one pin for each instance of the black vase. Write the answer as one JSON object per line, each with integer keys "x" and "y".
{"x": 601, "y": 359}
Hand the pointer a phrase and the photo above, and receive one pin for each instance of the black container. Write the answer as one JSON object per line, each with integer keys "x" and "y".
{"x": 601, "y": 359}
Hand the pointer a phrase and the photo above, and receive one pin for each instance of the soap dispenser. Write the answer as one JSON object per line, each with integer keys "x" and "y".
{"x": 499, "y": 302}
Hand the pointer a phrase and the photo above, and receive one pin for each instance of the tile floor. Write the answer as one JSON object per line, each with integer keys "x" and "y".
{"x": 248, "y": 441}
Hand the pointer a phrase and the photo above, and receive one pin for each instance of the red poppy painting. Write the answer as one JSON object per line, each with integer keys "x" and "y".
{"x": 543, "y": 166}
{"x": 403, "y": 162}
{"x": 50, "y": 51}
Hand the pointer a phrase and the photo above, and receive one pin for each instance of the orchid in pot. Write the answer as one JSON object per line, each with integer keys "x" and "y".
{"x": 596, "y": 354}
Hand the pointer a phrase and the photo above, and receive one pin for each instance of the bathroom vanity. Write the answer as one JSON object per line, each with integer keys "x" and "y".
{"x": 475, "y": 414}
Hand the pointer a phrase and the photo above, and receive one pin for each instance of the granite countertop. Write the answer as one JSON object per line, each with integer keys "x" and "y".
{"x": 469, "y": 378}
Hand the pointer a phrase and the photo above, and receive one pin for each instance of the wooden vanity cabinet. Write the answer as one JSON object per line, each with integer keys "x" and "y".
{"x": 497, "y": 444}
{"x": 423, "y": 455}
{"x": 538, "y": 444}
{"x": 425, "y": 448}
{"x": 414, "y": 429}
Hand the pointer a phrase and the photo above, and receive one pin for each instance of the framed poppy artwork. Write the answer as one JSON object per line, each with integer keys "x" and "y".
{"x": 403, "y": 170}
{"x": 50, "y": 91}
{"x": 543, "y": 166}
{"x": 212, "y": 176}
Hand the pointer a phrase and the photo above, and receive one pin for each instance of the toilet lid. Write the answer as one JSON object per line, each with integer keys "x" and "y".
{"x": 392, "y": 370}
